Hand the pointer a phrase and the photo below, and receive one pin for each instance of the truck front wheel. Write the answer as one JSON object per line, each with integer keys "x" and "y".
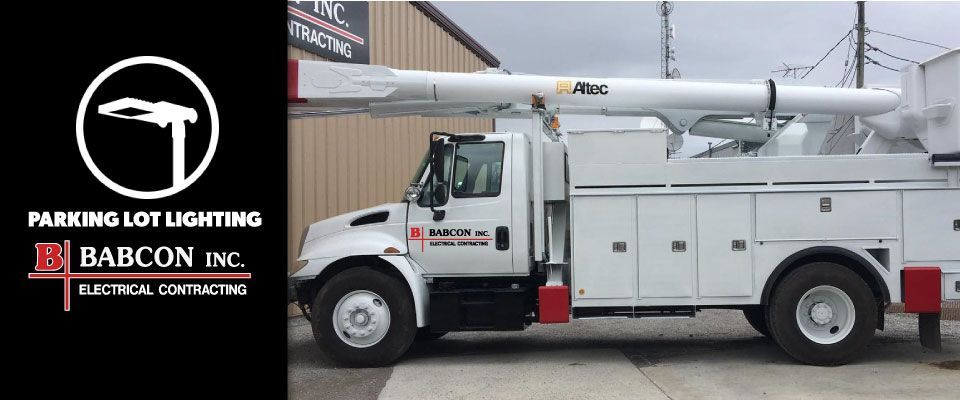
{"x": 822, "y": 314}
{"x": 364, "y": 318}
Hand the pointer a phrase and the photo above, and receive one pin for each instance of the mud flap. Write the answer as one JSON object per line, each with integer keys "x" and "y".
{"x": 930, "y": 330}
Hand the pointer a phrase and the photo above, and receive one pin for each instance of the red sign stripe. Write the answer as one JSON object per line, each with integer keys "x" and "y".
{"x": 324, "y": 24}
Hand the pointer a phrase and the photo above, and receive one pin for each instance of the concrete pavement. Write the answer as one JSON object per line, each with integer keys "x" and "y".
{"x": 716, "y": 355}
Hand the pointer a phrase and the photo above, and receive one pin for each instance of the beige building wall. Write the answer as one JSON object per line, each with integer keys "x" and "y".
{"x": 345, "y": 163}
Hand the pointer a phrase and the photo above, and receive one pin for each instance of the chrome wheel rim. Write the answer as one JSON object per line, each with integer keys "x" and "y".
{"x": 361, "y": 318}
{"x": 825, "y": 314}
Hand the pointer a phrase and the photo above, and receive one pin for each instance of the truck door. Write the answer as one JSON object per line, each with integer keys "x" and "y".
{"x": 473, "y": 236}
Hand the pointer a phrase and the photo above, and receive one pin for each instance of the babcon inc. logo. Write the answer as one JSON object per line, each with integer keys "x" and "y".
{"x": 152, "y": 125}
{"x": 456, "y": 237}
{"x": 54, "y": 263}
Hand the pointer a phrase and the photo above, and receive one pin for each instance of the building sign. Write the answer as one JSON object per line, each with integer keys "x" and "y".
{"x": 336, "y": 30}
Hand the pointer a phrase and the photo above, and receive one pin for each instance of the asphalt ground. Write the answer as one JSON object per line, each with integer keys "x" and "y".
{"x": 715, "y": 355}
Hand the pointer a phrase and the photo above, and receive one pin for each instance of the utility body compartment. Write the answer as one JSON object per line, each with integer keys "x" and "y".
{"x": 604, "y": 247}
{"x": 929, "y": 231}
{"x": 598, "y": 157}
{"x": 662, "y": 246}
{"x": 827, "y": 216}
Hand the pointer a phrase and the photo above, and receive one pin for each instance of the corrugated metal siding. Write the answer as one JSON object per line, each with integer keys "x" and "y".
{"x": 344, "y": 163}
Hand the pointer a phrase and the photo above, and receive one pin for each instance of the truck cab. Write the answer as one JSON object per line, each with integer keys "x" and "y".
{"x": 470, "y": 220}
{"x": 462, "y": 223}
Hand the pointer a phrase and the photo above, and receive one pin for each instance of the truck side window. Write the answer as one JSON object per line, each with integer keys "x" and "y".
{"x": 477, "y": 169}
{"x": 427, "y": 194}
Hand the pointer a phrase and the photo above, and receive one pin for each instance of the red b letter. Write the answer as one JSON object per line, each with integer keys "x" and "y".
{"x": 414, "y": 233}
{"x": 49, "y": 257}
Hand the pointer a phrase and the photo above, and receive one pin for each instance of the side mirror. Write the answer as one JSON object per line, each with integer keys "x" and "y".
{"x": 436, "y": 159}
{"x": 440, "y": 193}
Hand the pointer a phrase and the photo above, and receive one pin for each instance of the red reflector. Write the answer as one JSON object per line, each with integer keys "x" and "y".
{"x": 554, "y": 304}
{"x": 293, "y": 78}
{"x": 921, "y": 289}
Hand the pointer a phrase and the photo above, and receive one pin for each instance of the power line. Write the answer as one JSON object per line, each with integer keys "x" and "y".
{"x": 851, "y": 46}
{"x": 846, "y": 75}
{"x": 912, "y": 40}
{"x": 847, "y": 68}
{"x": 872, "y": 47}
{"x": 825, "y": 55}
{"x": 875, "y": 62}
{"x": 837, "y": 135}
{"x": 885, "y": 67}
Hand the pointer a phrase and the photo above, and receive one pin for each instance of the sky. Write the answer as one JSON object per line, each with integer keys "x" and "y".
{"x": 714, "y": 40}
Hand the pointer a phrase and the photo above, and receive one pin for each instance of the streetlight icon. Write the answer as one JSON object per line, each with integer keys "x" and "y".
{"x": 161, "y": 113}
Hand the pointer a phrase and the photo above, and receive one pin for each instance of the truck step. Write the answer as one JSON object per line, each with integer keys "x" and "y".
{"x": 634, "y": 312}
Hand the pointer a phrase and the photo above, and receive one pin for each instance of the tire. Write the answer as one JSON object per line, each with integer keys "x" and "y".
{"x": 757, "y": 317}
{"x": 810, "y": 310}
{"x": 424, "y": 334}
{"x": 371, "y": 295}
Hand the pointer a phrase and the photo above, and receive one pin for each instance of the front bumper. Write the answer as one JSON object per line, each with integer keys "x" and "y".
{"x": 291, "y": 291}
{"x": 295, "y": 288}
{"x": 296, "y": 291}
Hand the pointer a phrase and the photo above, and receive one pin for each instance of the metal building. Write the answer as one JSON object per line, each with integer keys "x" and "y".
{"x": 342, "y": 163}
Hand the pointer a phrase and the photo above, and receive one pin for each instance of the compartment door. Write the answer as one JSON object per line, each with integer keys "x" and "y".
{"x": 929, "y": 232}
{"x": 665, "y": 242}
{"x": 724, "y": 268}
{"x": 605, "y": 246}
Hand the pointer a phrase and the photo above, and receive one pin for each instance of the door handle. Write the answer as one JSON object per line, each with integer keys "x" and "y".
{"x": 503, "y": 238}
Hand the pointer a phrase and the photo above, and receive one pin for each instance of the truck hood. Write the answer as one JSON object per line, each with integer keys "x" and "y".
{"x": 369, "y": 231}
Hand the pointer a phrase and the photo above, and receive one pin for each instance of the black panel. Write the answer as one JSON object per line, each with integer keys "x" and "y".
{"x": 497, "y": 309}
{"x": 939, "y": 158}
{"x": 374, "y": 218}
{"x": 929, "y": 324}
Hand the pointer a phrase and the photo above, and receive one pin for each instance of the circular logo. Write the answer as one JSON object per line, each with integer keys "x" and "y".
{"x": 175, "y": 117}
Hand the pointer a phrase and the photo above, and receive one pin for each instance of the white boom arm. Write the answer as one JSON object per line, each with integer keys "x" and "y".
{"x": 328, "y": 84}
{"x": 925, "y": 108}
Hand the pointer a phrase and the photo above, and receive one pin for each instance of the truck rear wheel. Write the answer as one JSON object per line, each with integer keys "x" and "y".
{"x": 822, "y": 314}
{"x": 364, "y": 318}
{"x": 757, "y": 317}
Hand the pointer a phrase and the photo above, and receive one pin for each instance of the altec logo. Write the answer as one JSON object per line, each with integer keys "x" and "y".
{"x": 54, "y": 257}
{"x": 583, "y": 87}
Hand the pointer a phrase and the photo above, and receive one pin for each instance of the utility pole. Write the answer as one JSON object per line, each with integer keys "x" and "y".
{"x": 861, "y": 32}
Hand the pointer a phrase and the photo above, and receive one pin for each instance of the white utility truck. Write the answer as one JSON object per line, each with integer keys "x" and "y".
{"x": 502, "y": 230}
